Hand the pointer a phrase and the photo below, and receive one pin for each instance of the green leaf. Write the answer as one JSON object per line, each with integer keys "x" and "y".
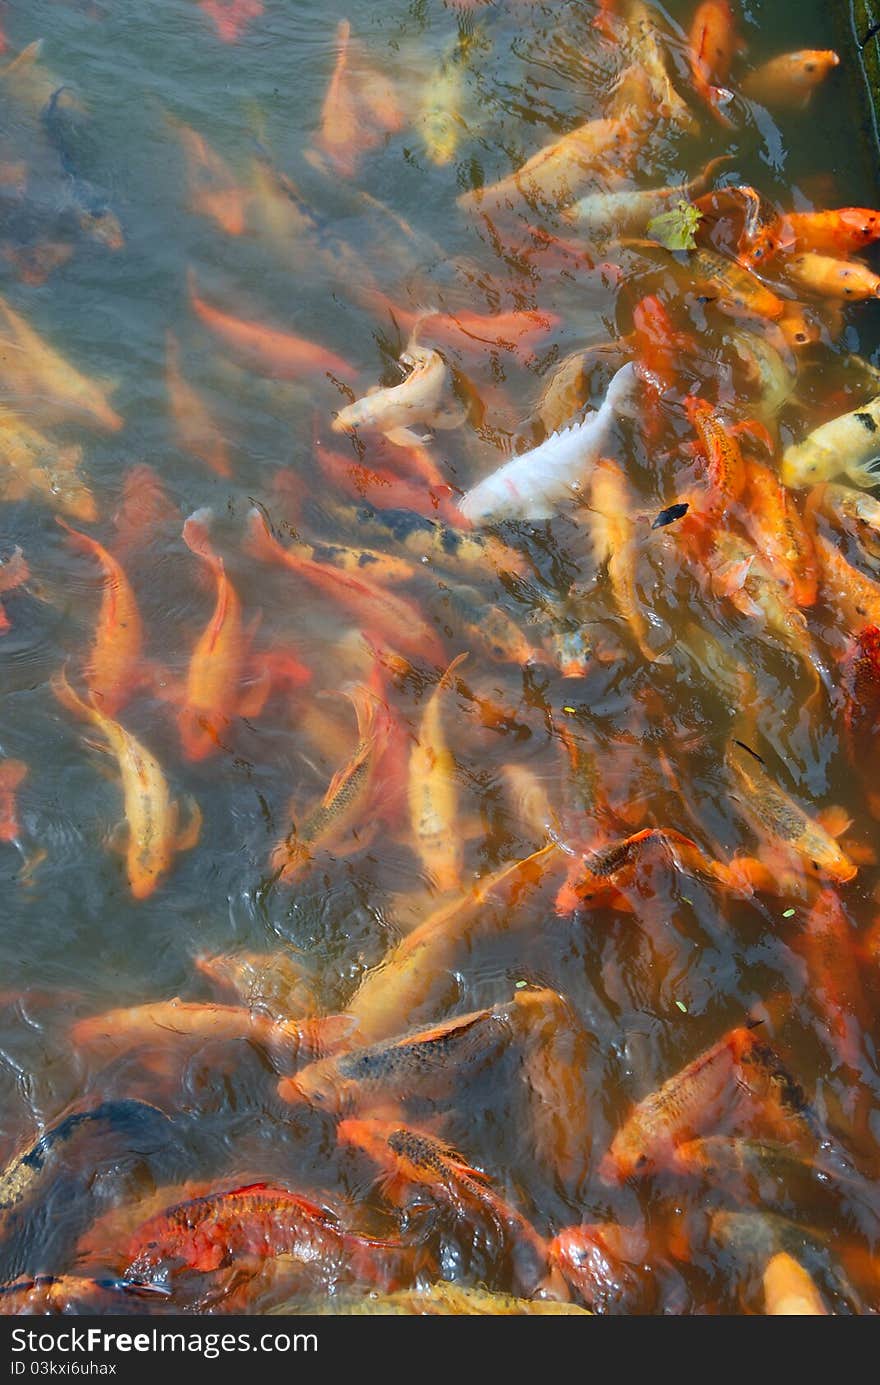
{"x": 682, "y": 1007}
{"x": 788, "y": 913}
{"x": 676, "y": 229}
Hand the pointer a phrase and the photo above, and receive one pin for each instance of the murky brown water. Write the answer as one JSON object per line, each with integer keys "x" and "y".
{"x": 555, "y": 683}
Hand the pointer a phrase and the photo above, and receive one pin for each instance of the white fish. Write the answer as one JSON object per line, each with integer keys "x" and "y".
{"x": 532, "y": 485}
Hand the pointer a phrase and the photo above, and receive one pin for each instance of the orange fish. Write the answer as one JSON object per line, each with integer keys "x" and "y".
{"x": 827, "y": 277}
{"x": 257, "y": 1222}
{"x": 397, "y": 619}
{"x": 855, "y": 597}
{"x": 713, "y": 44}
{"x": 13, "y": 572}
{"x": 788, "y": 82}
{"x": 781, "y": 534}
{"x": 213, "y": 190}
{"x": 861, "y": 691}
{"x": 724, "y": 460}
{"x": 594, "y": 879}
{"x": 268, "y": 351}
{"x": 386, "y": 489}
{"x": 114, "y": 666}
{"x": 737, "y": 1077}
{"x": 734, "y": 289}
{"x": 828, "y": 946}
{"x": 360, "y": 108}
{"x": 36, "y": 368}
{"x": 603, "y": 1263}
{"x": 470, "y": 333}
{"x": 144, "y": 506}
{"x": 12, "y": 774}
{"x": 789, "y": 1290}
{"x": 231, "y": 17}
{"x": 196, "y": 432}
{"x": 841, "y": 233}
{"x": 414, "y": 1165}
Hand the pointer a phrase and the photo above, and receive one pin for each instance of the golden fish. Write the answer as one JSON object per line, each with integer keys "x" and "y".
{"x": 848, "y": 443}
{"x": 433, "y": 794}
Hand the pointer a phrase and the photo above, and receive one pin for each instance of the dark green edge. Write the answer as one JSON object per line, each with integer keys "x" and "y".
{"x": 858, "y": 30}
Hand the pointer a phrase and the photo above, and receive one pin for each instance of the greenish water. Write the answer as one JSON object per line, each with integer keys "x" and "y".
{"x": 73, "y": 942}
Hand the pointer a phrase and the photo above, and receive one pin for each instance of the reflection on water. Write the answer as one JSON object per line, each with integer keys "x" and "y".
{"x": 406, "y": 774}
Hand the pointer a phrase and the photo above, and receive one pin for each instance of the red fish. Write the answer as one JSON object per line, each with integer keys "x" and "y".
{"x": 231, "y": 17}
{"x": 713, "y": 45}
{"x": 841, "y": 232}
{"x": 828, "y": 946}
{"x": 12, "y": 773}
{"x": 360, "y": 108}
{"x": 861, "y": 691}
{"x": 267, "y": 350}
{"x": 143, "y": 508}
{"x": 13, "y": 572}
{"x": 470, "y": 333}
{"x": 396, "y": 619}
{"x": 385, "y": 489}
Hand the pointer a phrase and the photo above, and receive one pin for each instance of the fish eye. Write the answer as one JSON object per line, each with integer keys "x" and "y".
{"x": 641, "y": 1161}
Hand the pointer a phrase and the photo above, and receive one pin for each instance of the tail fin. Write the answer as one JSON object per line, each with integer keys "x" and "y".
{"x": 69, "y": 699}
{"x": 259, "y": 542}
{"x": 197, "y": 539}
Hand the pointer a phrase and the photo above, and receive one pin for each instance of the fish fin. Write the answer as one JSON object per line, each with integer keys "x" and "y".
{"x": 834, "y": 820}
{"x": 259, "y": 541}
{"x": 252, "y": 701}
{"x": 190, "y": 835}
{"x": 118, "y": 838}
{"x": 196, "y": 537}
{"x": 26, "y": 58}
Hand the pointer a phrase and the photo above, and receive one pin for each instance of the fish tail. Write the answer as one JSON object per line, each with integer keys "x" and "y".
{"x": 71, "y": 700}
{"x": 456, "y": 662}
{"x": 197, "y": 539}
{"x": 260, "y": 543}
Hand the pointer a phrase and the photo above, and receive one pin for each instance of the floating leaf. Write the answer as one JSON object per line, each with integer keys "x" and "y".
{"x": 788, "y": 913}
{"x": 676, "y": 229}
{"x": 682, "y": 1007}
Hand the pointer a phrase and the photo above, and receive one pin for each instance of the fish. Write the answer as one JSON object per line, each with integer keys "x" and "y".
{"x": 113, "y": 668}
{"x": 828, "y": 944}
{"x": 29, "y": 83}
{"x": 214, "y": 191}
{"x": 775, "y": 1174}
{"x": 151, "y": 818}
{"x": 339, "y": 821}
{"x": 828, "y": 277}
{"x": 855, "y": 597}
{"x": 626, "y": 212}
{"x": 194, "y": 429}
{"x": 556, "y": 173}
{"x": 33, "y": 464}
{"x": 361, "y": 107}
{"x": 860, "y": 685}
{"x": 469, "y": 334}
{"x": 442, "y": 544}
{"x": 533, "y": 485}
{"x": 734, "y": 289}
{"x": 395, "y": 617}
{"x": 214, "y": 695}
{"x": 12, "y": 775}
{"x": 36, "y": 368}
{"x": 414, "y": 1164}
{"x": 772, "y": 811}
{"x": 737, "y": 1078}
{"x": 753, "y": 1238}
{"x": 49, "y": 1191}
{"x": 841, "y": 231}
{"x": 725, "y": 464}
{"x": 72, "y": 1293}
{"x": 782, "y": 537}
{"x": 144, "y": 507}
{"x": 385, "y": 487}
{"x": 442, "y": 1299}
{"x": 614, "y": 544}
{"x": 848, "y": 443}
{"x": 381, "y": 567}
{"x": 421, "y": 398}
{"x": 433, "y": 794}
{"x": 401, "y": 989}
{"x": 231, "y": 17}
{"x": 641, "y": 42}
{"x": 159, "y": 1031}
{"x": 257, "y": 1220}
{"x": 557, "y": 1050}
{"x": 465, "y": 611}
{"x": 14, "y": 572}
{"x": 789, "y": 1290}
{"x": 712, "y": 46}
{"x": 602, "y": 1262}
{"x": 592, "y": 877}
{"x": 770, "y": 369}
{"x": 439, "y": 118}
{"x": 788, "y": 81}
{"x": 268, "y": 350}
{"x": 276, "y": 982}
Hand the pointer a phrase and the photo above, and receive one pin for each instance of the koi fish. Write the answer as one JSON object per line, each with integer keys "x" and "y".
{"x": 828, "y": 277}
{"x": 753, "y": 1238}
{"x": 556, "y": 1054}
{"x": 383, "y": 567}
{"x": 441, "y": 544}
{"x": 466, "y": 612}
{"x": 12, "y": 775}
{"x": 397, "y": 619}
{"x": 36, "y": 368}
{"x": 388, "y": 488}
{"x": 34, "y": 465}
{"x": 113, "y": 668}
{"x": 828, "y": 946}
{"x": 772, "y": 811}
{"x": 614, "y": 543}
{"x": 735, "y": 290}
{"x": 591, "y": 880}
{"x": 402, "y": 988}
{"x": 608, "y": 215}
{"x": 272, "y": 981}
{"x": 788, "y": 82}
{"x": 151, "y": 819}
{"x": 213, "y": 189}
{"x": 556, "y": 173}
{"x": 433, "y": 794}
{"x": 413, "y": 1164}
{"x": 789, "y": 1290}
{"x": 841, "y": 232}
{"x": 360, "y": 108}
{"x": 267, "y": 350}
{"x": 143, "y": 507}
{"x": 470, "y": 334}
{"x": 195, "y": 430}
{"x": 855, "y": 596}
{"x": 231, "y": 17}
{"x": 724, "y": 460}
{"x": 533, "y": 485}
{"x": 14, "y": 571}
{"x": 72, "y": 1293}
{"x": 738, "y": 1076}
{"x": 439, "y": 119}
{"x": 213, "y": 695}
{"x": 642, "y": 43}
{"x": 420, "y": 398}
{"x": 338, "y": 822}
{"x": 442, "y": 1299}
{"x": 164, "y": 1028}
{"x": 773, "y": 1173}
{"x": 257, "y": 1220}
{"x": 847, "y": 443}
{"x": 861, "y": 692}
{"x": 602, "y": 1263}
{"x": 781, "y": 534}
{"x": 713, "y": 44}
